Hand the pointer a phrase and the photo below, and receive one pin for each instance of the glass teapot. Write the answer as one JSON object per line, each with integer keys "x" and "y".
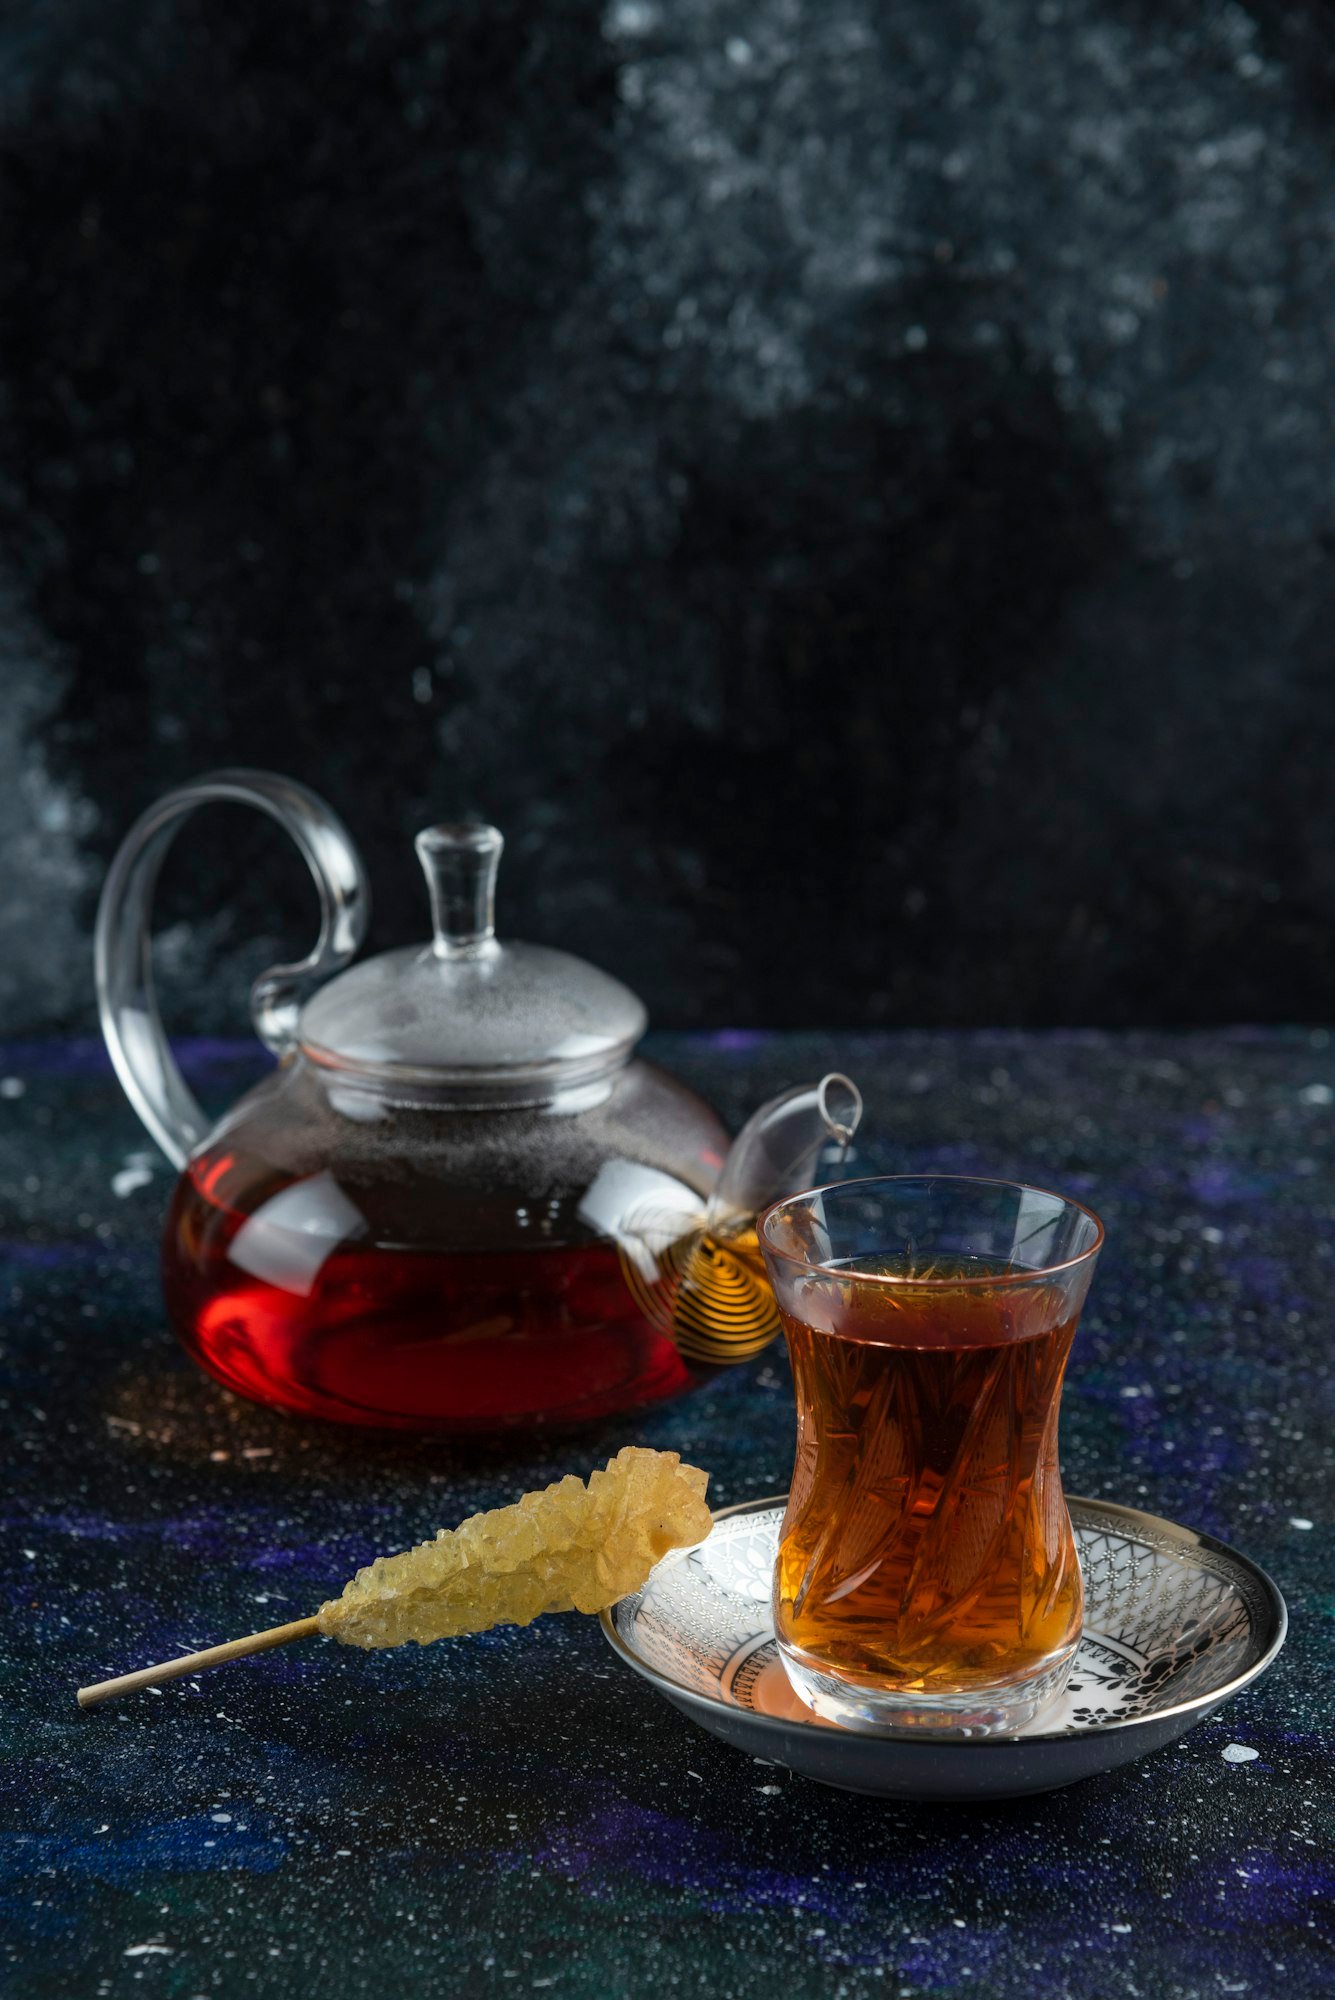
{"x": 460, "y": 1202}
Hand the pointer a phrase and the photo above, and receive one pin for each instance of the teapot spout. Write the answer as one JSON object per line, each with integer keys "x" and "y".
{"x": 775, "y": 1152}
{"x": 699, "y": 1278}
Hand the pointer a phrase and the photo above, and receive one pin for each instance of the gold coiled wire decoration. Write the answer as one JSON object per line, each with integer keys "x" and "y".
{"x": 703, "y": 1293}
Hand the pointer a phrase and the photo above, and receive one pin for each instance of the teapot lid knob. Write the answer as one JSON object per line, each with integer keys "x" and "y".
{"x": 460, "y": 861}
{"x": 467, "y": 1019}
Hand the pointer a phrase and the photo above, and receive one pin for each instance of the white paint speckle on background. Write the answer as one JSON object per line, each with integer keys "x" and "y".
{"x": 1239, "y": 1753}
{"x": 128, "y": 1179}
{"x": 1317, "y": 1093}
{"x": 43, "y": 827}
{"x": 1299, "y": 1521}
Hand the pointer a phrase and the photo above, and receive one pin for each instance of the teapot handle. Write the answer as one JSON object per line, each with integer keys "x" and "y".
{"x": 123, "y": 947}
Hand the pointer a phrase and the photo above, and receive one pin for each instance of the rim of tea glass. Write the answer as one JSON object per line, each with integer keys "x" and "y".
{"x": 990, "y": 1278}
{"x": 1272, "y": 1640}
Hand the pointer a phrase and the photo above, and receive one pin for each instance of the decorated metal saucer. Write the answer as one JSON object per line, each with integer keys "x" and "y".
{"x": 1175, "y": 1623}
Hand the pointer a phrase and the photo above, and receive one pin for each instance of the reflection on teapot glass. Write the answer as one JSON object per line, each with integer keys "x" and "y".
{"x": 430, "y": 1266}
{"x": 460, "y": 1202}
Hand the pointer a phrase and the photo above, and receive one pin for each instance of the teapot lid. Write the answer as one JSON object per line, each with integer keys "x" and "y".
{"x": 466, "y": 1017}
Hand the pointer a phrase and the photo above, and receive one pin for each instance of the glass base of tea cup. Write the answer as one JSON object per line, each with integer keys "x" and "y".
{"x": 990, "y": 1711}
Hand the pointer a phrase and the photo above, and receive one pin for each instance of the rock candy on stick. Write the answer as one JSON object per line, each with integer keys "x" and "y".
{"x": 571, "y": 1547}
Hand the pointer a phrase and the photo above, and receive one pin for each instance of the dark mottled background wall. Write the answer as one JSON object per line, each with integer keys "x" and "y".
{"x": 846, "y": 485}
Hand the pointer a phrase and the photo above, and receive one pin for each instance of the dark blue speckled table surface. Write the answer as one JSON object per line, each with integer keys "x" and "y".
{"x": 517, "y": 1813}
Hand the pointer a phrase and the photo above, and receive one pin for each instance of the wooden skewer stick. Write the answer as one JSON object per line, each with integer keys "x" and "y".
{"x": 193, "y": 1663}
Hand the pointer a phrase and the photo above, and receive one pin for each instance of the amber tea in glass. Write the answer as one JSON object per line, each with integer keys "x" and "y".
{"x": 927, "y": 1572}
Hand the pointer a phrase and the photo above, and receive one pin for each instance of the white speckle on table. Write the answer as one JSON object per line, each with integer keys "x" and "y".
{"x": 1122, "y": 1930}
{"x": 1317, "y": 1093}
{"x": 1299, "y": 1521}
{"x": 128, "y": 1179}
{"x": 142, "y": 1950}
{"x": 1239, "y": 1753}
{"x": 12, "y": 1086}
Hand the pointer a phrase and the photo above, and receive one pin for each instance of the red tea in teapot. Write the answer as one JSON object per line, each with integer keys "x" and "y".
{"x": 411, "y": 1338}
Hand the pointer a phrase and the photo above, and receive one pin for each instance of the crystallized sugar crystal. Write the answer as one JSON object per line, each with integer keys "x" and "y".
{"x": 570, "y": 1547}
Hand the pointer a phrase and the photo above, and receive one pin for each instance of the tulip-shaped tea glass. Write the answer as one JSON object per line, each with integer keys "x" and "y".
{"x": 927, "y": 1573}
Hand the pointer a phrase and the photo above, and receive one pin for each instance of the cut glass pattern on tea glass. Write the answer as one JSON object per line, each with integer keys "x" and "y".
{"x": 1168, "y": 1619}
